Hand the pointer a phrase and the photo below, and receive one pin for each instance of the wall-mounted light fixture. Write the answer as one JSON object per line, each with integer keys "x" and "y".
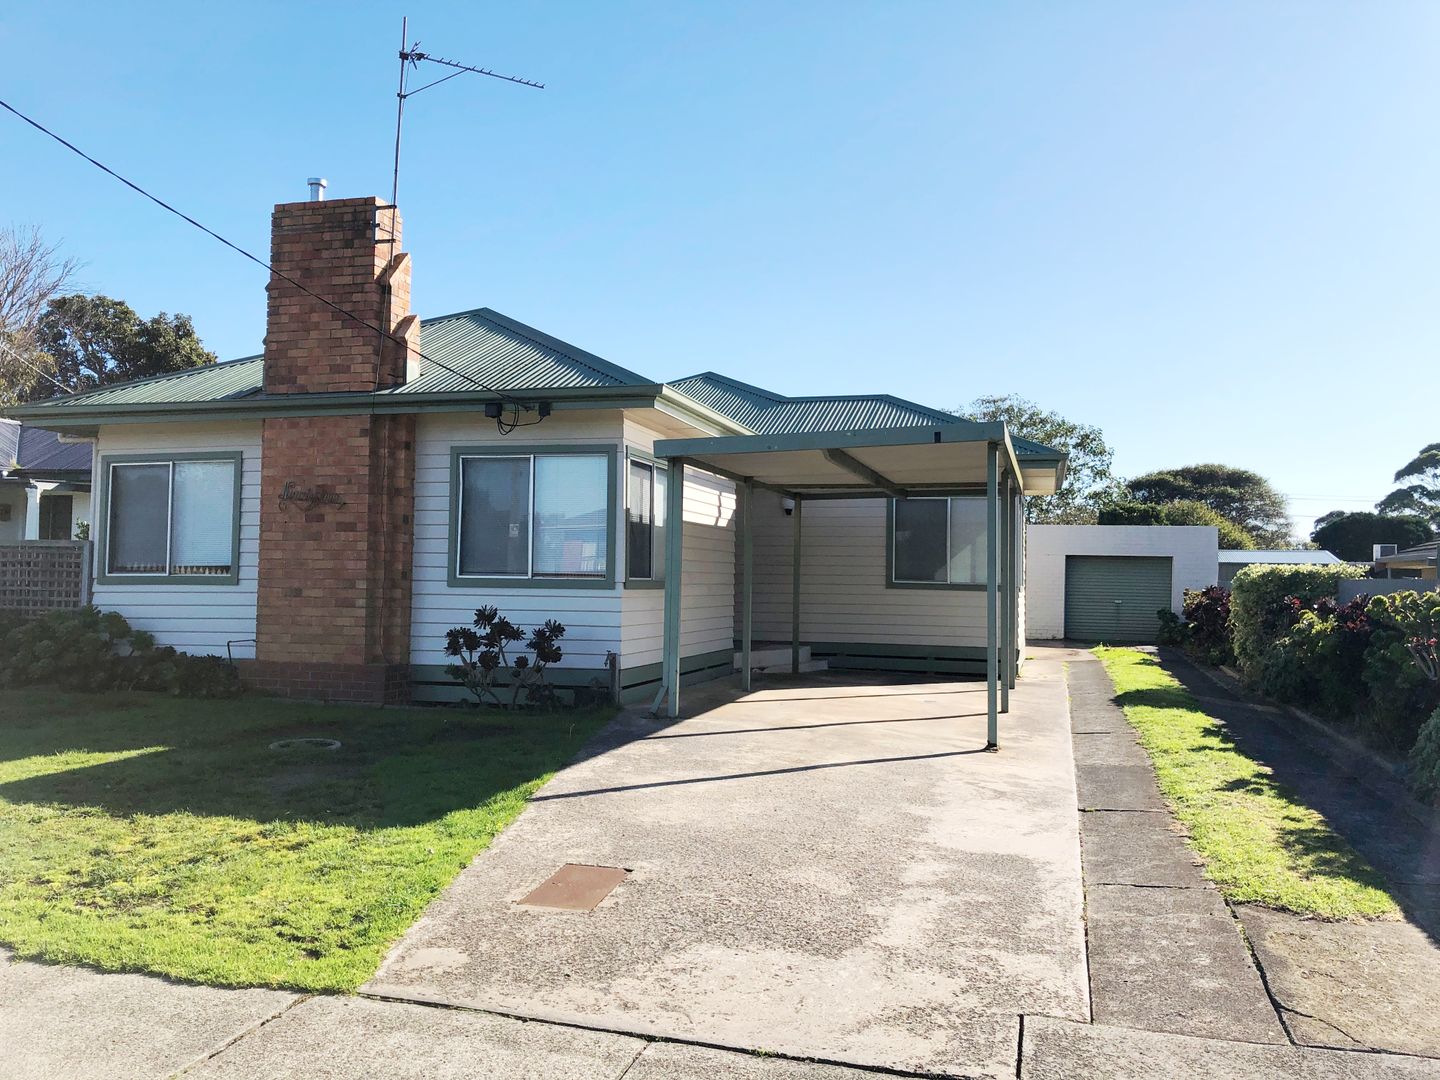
{"x": 789, "y": 505}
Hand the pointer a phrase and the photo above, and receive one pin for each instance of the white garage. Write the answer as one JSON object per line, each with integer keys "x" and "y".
{"x": 1105, "y": 582}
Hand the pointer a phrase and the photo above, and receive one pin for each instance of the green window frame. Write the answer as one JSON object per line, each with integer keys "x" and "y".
{"x": 657, "y": 478}
{"x": 528, "y": 580}
{"x": 105, "y": 519}
{"x": 892, "y": 581}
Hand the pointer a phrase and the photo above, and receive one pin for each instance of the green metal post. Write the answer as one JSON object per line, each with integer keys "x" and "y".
{"x": 747, "y": 578}
{"x": 795, "y": 592}
{"x": 992, "y": 596}
{"x": 674, "y": 559}
{"x": 1006, "y": 593}
{"x": 1017, "y": 532}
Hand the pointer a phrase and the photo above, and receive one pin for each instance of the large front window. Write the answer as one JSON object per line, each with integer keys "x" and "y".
{"x": 533, "y": 516}
{"x": 939, "y": 541}
{"x": 171, "y": 519}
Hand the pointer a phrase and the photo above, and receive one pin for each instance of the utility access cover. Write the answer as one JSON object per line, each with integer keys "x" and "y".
{"x": 575, "y": 887}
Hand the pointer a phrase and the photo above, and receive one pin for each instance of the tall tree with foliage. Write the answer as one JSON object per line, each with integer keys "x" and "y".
{"x": 1087, "y": 473}
{"x": 90, "y": 341}
{"x": 1353, "y": 536}
{"x": 1238, "y": 495}
{"x": 1181, "y": 512}
{"x": 1422, "y": 494}
{"x": 32, "y": 273}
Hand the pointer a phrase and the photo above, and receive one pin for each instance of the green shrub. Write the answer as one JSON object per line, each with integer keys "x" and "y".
{"x": 1320, "y": 661}
{"x": 1399, "y": 666}
{"x": 96, "y": 651}
{"x": 1260, "y": 608}
{"x": 1424, "y": 775}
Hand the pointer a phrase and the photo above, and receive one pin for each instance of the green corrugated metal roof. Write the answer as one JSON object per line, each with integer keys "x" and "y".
{"x": 768, "y": 413}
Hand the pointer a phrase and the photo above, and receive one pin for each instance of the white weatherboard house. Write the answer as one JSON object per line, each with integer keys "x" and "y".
{"x": 326, "y": 511}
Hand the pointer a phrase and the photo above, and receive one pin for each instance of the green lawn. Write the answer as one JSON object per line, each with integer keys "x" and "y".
{"x": 1259, "y": 844}
{"x": 144, "y": 833}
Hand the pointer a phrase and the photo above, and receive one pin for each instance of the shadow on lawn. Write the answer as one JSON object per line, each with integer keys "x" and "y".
{"x": 393, "y": 769}
{"x": 1405, "y": 854}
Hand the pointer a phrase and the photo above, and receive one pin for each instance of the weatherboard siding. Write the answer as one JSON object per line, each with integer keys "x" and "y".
{"x": 197, "y": 619}
{"x": 843, "y": 592}
{"x": 591, "y": 616}
{"x": 707, "y": 584}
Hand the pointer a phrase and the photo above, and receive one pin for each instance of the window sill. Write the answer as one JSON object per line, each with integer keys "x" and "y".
{"x": 457, "y": 582}
{"x": 645, "y": 583}
{"x": 168, "y": 579}
{"x": 969, "y": 586}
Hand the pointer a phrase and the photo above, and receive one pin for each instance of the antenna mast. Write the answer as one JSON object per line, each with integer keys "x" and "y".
{"x": 411, "y": 58}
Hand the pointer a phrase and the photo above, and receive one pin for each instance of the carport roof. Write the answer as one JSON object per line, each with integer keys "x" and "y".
{"x": 931, "y": 459}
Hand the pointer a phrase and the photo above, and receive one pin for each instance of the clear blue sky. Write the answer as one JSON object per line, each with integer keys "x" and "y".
{"x": 1211, "y": 229}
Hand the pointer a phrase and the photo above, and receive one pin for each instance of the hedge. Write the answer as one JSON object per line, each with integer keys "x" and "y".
{"x": 1257, "y": 605}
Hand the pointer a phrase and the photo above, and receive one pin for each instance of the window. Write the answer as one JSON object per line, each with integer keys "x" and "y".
{"x": 645, "y": 522}
{"x": 533, "y": 516}
{"x": 172, "y": 518}
{"x": 939, "y": 541}
{"x": 55, "y": 513}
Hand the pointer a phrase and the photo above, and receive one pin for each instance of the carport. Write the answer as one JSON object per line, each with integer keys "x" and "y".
{"x": 961, "y": 459}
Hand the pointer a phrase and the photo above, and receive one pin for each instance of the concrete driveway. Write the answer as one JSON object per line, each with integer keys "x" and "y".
{"x": 831, "y": 869}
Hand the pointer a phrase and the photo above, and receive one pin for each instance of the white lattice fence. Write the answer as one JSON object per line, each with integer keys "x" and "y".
{"x": 37, "y": 576}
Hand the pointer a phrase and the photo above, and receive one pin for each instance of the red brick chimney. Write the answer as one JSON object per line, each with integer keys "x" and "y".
{"x": 337, "y": 489}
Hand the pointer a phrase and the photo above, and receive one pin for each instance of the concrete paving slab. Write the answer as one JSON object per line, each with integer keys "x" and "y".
{"x": 1118, "y": 787}
{"x": 1126, "y": 848}
{"x": 1366, "y": 985}
{"x": 1109, "y": 748}
{"x": 73, "y": 1023}
{"x": 681, "y": 1061}
{"x": 338, "y": 1038}
{"x": 1186, "y": 974}
{"x": 1102, "y": 900}
{"x": 831, "y": 869}
{"x": 1058, "y": 1050}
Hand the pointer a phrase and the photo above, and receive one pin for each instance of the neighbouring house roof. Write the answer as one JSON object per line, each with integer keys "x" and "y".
{"x": 1299, "y": 556}
{"x": 1420, "y": 555}
{"x": 27, "y": 452}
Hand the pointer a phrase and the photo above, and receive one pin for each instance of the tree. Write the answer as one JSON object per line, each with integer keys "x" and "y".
{"x": 1353, "y": 536}
{"x": 1422, "y": 496}
{"x": 1087, "y": 472}
{"x": 1238, "y": 495}
{"x": 32, "y": 273}
{"x": 90, "y": 341}
{"x": 1180, "y": 512}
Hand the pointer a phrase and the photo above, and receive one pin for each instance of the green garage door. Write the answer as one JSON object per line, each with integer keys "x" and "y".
{"x": 1115, "y": 597}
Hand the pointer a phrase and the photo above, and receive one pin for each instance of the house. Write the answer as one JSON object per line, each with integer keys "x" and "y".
{"x": 1416, "y": 562}
{"x": 44, "y": 484}
{"x": 326, "y": 511}
{"x": 1231, "y": 562}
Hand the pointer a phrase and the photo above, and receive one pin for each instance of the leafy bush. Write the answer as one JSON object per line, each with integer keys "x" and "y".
{"x": 1320, "y": 661}
{"x": 96, "y": 651}
{"x": 481, "y": 656}
{"x": 1400, "y": 665}
{"x": 1203, "y": 630}
{"x": 1266, "y": 601}
{"x": 1424, "y": 778}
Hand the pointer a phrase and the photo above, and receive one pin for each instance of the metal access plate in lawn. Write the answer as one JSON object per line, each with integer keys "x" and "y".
{"x": 575, "y": 887}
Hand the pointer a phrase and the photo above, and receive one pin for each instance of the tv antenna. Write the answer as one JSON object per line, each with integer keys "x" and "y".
{"x": 410, "y": 59}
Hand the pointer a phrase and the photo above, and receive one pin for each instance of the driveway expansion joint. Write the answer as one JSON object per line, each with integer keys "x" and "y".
{"x": 241, "y": 1036}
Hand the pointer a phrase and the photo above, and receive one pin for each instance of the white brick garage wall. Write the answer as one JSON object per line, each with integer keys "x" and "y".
{"x": 1194, "y": 549}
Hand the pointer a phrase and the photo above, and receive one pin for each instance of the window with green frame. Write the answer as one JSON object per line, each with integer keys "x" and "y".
{"x": 533, "y": 516}
{"x": 646, "y": 485}
{"x": 171, "y": 518}
{"x": 938, "y": 541}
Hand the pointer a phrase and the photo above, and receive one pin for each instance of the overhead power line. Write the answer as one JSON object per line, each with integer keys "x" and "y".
{"x": 515, "y": 402}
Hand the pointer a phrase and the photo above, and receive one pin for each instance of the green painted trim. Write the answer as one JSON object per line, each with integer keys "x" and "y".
{"x": 101, "y": 520}
{"x": 432, "y": 674}
{"x": 504, "y": 449}
{"x": 943, "y": 586}
{"x": 923, "y": 652}
{"x": 675, "y": 559}
{"x": 645, "y": 458}
{"x": 958, "y": 432}
{"x": 650, "y": 674}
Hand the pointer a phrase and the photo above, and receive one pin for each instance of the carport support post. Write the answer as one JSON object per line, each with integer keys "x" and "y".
{"x": 674, "y": 559}
{"x": 992, "y": 597}
{"x": 1007, "y": 607}
{"x": 795, "y": 592}
{"x": 747, "y": 578}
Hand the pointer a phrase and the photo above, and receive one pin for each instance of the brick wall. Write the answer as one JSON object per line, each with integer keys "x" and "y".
{"x": 333, "y": 604}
